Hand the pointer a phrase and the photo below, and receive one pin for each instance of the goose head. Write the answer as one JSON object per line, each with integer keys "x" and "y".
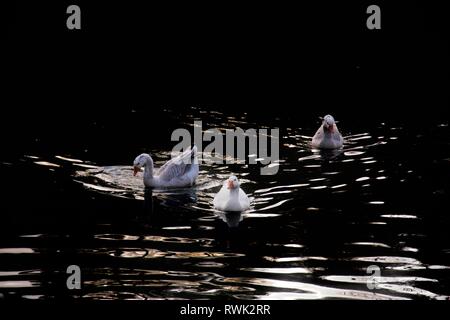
{"x": 233, "y": 183}
{"x": 328, "y": 123}
{"x": 141, "y": 161}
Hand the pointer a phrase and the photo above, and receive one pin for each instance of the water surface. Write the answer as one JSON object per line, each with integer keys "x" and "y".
{"x": 312, "y": 231}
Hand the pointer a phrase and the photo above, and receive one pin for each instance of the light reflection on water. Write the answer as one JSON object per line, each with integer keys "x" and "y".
{"x": 311, "y": 232}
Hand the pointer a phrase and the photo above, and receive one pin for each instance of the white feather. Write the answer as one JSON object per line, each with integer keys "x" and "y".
{"x": 325, "y": 139}
{"x": 181, "y": 171}
{"x": 233, "y": 199}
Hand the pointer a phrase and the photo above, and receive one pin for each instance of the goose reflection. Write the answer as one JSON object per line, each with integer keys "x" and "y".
{"x": 229, "y": 233}
{"x": 232, "y": 219}
{"x": 329, "y": 154}
{"x": 164, "y": 198}
{"x": 176, "y": 197}
{"x": 148, "y": 201}
{"x": 148, "y": 216}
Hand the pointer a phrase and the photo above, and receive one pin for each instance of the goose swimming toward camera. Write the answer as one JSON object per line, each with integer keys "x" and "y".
{"x": 328, "y": 135}
{"x": 231, "y": 197}
{"x": 180, "y": 171}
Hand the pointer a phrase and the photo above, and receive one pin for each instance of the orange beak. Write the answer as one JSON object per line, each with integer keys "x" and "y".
{"x": 136, "y": 170}
{"x": 329, "y": 128}
{"x": 230, "y": 184}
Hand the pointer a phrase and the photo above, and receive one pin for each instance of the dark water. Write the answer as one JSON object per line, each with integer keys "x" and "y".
{"x": 311, "y": 233}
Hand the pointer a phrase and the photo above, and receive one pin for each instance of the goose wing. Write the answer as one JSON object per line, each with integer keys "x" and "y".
{"x": 178, "y": 166}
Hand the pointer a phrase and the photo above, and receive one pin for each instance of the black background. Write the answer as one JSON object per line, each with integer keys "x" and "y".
{"x": 282, "y": 58}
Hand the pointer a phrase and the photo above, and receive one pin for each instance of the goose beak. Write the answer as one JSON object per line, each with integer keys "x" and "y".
{"x": 136, "y": 170}
{"x": 328, "y": 127}
{"x": 230, "y": 184}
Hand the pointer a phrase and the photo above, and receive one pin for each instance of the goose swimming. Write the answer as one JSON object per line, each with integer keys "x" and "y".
{"x": 181, "y": 171}
{"x": 328, "y": 135}
{"x": 231, "y": 197}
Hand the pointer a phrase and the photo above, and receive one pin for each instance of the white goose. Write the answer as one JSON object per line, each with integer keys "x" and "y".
{"x": 180, "y": 171}
{"x": 328, "y": 135}
{"x": 231, "y": 197}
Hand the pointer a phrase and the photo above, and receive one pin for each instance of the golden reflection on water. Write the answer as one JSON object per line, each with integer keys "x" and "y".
{"x": 294, "y": 267}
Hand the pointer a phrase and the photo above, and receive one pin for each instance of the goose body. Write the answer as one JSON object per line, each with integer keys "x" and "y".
{"x": 328, "y": 135}
{"x": 181, "y": 171}
{"x": 231, "y": 197}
